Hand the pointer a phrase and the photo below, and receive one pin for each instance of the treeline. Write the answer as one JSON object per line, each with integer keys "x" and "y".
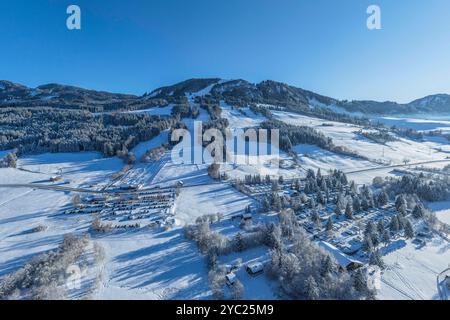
{"x": 184, "y": 110}
{"x": 38, "y": 130}
{"x": 378, "y": 136}
{"x": 291, "y": 135}
{"x": 426, "y": 188}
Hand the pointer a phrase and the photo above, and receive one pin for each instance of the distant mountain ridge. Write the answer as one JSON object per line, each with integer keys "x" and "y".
{"x": 234, "y": 91}
{"x": 57, "y": 95}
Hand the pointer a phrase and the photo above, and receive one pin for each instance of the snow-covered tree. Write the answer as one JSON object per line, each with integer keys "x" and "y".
{"x": 386, "y": 238}
{"x": 383, "y": 198}
{"x": 239, "y": 242}
{"x": 367, "y": 244}
{"x": 275, "y": 186}
{"x": 360, "y": 281}
{"x": 327, "y": 266}
{"x": 349, "y": 211}
{"x": 418, "y": 212}
{"x": 380, "y": 226}
{"x": 394, "y": 225}
{"x": 237, "y": 290}
{"x": 337, "y": 211}
{"x": 329, "y": 225}
{"x": 265, "y": 205}
{"x": 400, "y": 201}
{"x": 311, "y": 289}
{"x": 409, "y": 230}
{"x": 356, "y": 204}
{"x": 376, "y": 259}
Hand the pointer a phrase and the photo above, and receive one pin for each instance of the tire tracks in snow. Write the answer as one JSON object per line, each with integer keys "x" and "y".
{"x": 408, "y": 283}
{"x": 14, "y": 198}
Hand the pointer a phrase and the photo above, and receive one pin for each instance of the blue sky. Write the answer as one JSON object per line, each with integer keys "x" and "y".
{"x": 137, "y": 45}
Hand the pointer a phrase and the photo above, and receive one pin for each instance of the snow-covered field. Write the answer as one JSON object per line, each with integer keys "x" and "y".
{"x": 22, "y": 209}
{"x": 442, "y": 210}
{"x": 313, "y": 157}
{"x": 241, "y": 118}
{"x": 346, "y": 135}
{"x": 194, "y": 202}
{"x": 412, "y": 271}
{"x": 152, "y": 264}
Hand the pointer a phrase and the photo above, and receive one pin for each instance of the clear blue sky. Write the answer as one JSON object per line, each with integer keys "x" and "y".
{"x": 136, "y": 45}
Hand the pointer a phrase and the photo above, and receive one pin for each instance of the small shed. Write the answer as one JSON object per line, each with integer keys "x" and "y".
{"x": 255, "y": 268}
{"x": 231, "y": 278}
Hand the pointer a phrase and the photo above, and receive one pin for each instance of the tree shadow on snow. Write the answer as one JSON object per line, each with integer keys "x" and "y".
{"x": 393, "y": 246}
{"x": 175, "y": 263}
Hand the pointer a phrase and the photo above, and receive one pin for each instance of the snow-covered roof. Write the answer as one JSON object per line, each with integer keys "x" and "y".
{"x": 231, "y": 278}
{"x": 255, "y": 267}
{"x": 342, "y": 259}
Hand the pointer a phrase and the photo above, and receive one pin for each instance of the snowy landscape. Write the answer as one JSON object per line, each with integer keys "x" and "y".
{"x": 92, "y": 205}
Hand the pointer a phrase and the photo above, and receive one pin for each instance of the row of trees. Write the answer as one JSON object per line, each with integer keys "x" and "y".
{"x": 426, "y": 188}
{"x": 381, "y": 136}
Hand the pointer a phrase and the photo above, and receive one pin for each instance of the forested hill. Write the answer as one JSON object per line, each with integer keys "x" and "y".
{"x": 237, "y": 92}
